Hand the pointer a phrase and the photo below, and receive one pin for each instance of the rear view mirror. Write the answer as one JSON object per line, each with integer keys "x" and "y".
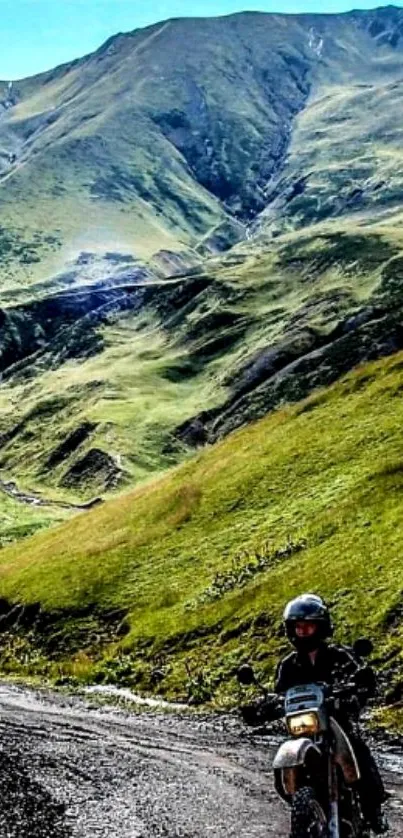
{"x": 363, "y": 647}
{"x": 246, "y": 675}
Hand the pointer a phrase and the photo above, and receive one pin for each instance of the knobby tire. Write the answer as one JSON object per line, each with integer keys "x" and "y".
{"x": 307, "y": 816}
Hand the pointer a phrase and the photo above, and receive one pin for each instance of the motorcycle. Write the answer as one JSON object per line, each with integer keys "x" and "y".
{"x": 316, "y": 771}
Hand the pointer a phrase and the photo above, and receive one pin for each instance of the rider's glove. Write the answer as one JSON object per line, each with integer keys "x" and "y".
{"x": 365, "y": 679}
{"x": 259, "y": 712}
{"x": 351, "y": 705}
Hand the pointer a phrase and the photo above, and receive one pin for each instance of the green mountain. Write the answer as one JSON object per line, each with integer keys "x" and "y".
{"x": 199, "y": 222}
{"x": 167, "y": 133}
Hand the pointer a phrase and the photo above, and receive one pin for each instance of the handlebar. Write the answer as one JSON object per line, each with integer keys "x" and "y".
{"x": 271, "y": 706}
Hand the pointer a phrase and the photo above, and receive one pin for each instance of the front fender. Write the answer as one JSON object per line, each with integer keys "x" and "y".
{"x": 295, "y": 752}
{"x": 295, "y": 759}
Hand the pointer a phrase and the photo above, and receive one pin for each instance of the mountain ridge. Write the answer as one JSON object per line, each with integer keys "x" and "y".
{"x": 124, "y": 46}
{"x": 256, "y": 162}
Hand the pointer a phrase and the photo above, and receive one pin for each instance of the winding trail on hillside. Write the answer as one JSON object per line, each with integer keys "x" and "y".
{"x": 69, "y": 769}
{"x": 11, "y": 489}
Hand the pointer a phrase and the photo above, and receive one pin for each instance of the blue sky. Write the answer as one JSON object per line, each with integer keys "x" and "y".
{"x": 37, "y": 35}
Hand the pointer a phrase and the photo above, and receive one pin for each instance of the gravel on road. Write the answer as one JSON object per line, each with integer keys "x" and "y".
{"x": 72, "y": 770}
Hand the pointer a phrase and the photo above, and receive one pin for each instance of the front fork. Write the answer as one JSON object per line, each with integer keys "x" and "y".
{"x": 333, "y": 786}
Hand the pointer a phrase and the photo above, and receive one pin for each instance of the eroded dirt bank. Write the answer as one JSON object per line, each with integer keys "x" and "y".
{"x": 68, "y": 770}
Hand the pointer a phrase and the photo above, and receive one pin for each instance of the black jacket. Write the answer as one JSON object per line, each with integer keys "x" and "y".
{"x": 332, "y": 664}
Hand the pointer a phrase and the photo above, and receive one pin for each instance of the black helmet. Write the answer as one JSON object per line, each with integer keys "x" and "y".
{"x": 311, "y": 608}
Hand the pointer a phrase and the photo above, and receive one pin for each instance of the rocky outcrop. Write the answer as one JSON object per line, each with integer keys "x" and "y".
{"x": 60, "y": 326}
{"x": 95, "y": 470}
{"x": 292, "y": 370}
{"x": 70, "y": 444}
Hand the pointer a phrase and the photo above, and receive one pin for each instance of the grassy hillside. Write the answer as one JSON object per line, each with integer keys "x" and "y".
{"x": 108, "y": 388}
{"x": 201, "y": 225}
{"x": 345, "y": 159}
{"x": 19, "y": 520}
{"x": 190, "y": 573}
{"x": 144, "y": 146}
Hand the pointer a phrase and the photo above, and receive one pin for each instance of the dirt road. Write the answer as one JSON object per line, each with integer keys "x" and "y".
{"x": 69, "y": 770}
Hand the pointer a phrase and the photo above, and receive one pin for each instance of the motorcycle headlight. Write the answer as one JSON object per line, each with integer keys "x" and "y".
{"x": 303, "y": 724}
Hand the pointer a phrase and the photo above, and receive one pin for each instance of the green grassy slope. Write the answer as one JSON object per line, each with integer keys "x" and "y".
{"x": 193, "y": 569}
{"x": 224, "y": 340}
{"x": 19, "y": 520}
{"x": 137, "y": 146}
{"x": 292, "y": 145}
{"x": 345, "y": 159}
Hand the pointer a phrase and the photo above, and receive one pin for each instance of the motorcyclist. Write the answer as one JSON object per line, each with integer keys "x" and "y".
{"x": 308, "y": 626}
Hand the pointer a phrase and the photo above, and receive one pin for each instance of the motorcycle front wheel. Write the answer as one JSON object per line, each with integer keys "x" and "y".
{"x": 308, "y": 819}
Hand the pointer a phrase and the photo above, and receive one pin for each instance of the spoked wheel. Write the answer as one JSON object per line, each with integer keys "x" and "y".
{"x": 308, "y": 819}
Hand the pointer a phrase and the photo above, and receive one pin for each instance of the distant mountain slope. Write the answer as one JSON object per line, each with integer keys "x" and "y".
{"x": 165, "y": 134}
{"x": 199, "y": 222}
{"x": 345, "y": 160}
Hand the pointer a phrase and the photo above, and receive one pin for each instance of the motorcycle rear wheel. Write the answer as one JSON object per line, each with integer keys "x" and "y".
{"x": 308, "y": 819}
